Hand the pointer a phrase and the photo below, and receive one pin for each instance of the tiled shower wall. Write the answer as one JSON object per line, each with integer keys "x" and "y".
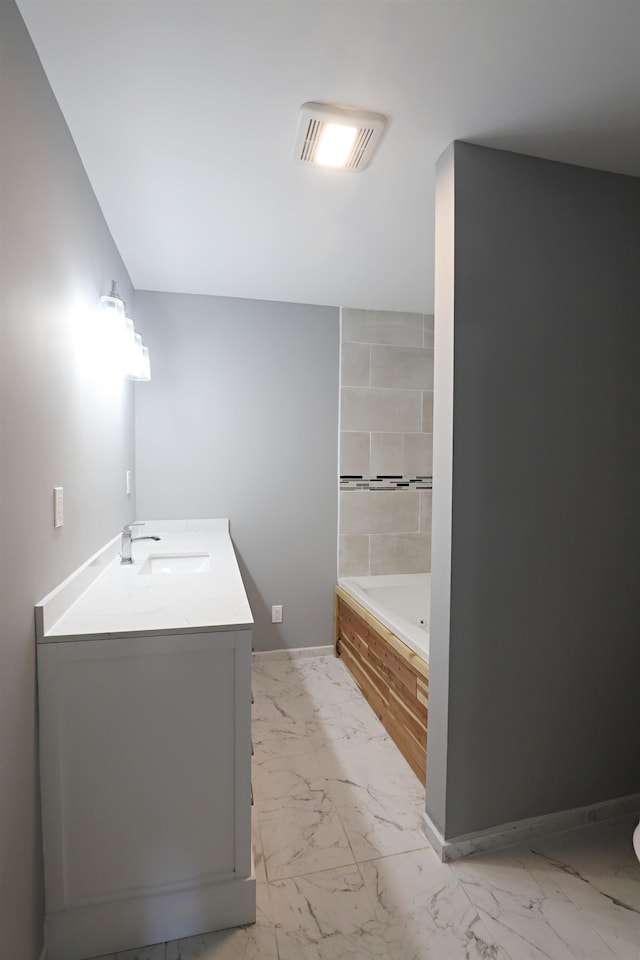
{"x": 386, "y": 427}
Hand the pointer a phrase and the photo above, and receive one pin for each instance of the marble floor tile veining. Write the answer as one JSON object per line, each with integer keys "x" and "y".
{"x": 300, "y": 828}
{"x": 526, "y": 910}
{"x": 426, "y": 911}
{"x": 344, "y": 871}
{"x": 327, "y": 916}
{"x": 601, "y": 877}
{"x": 380, "y": 815}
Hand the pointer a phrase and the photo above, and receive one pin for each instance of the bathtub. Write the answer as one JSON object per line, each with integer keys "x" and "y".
{"x": 382, "y": 636}
{"x": 400, "y": 602}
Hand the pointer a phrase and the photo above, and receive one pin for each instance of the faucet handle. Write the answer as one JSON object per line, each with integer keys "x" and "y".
{"x": 134, "y": 523}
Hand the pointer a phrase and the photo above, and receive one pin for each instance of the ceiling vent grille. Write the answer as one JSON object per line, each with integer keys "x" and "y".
{"x": 311, "y": 140}
{"x": 362, "y": 134}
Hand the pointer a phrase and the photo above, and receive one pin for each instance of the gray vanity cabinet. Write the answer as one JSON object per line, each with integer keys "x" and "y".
{"x": 146, "y": 791}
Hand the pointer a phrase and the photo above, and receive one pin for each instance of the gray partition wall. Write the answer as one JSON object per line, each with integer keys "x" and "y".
{"x": 534, "y": 703}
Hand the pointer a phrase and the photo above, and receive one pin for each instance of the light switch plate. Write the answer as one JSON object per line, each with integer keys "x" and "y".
{"x": 58, "y": 507}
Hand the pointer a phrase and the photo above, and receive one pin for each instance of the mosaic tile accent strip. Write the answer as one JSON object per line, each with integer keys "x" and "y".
{"x": 387, "y": 482}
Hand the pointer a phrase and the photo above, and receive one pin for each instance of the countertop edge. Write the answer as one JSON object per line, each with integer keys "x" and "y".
{"x": 159, "y": 632}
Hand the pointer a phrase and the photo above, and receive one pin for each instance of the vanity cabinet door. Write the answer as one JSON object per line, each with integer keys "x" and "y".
{"x": 145, "y": 765}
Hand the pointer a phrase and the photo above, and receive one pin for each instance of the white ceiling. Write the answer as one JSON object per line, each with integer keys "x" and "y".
{"x": 184, "y": 113}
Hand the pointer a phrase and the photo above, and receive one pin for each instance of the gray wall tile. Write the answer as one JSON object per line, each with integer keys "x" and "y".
{"x": 401, "y": 454}
{"x": 382, "y": 326}
{"x": 417, "y": 455}
{"x": 410, "y": 368}
{"x": 386, "y": 453}
{"x": 399, "y": 553}
{"x": 369, "y": 511}
{"x": 428, "y": 330}
{"x": 386, "y": 429}
{"x": 425, "y": 511}
{"x": 385, "y": 411}
{"x": 356, "y": 365}
{"x": 427, "y": 412}
{"x": 354, "y": 555}
{"x": 354, "y": 454}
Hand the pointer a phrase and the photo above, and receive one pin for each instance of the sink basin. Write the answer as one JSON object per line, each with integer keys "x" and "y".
{"x": 172, "y": 563}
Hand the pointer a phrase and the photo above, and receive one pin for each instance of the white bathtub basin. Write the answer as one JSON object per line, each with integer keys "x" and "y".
{"x": 401, "y": 602}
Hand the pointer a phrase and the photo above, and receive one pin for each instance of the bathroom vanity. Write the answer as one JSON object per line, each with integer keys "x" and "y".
{"x": 144, "y": 675}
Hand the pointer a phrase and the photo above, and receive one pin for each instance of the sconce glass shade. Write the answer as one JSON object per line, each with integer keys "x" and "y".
{"x": 140, "y": 367}
{"x": 145, "y": 364}
{"x": 113, "y": 301}
{"x": 129, "y": 352}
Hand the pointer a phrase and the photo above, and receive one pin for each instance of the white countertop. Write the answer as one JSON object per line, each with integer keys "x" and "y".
{"x": 105, "y": 598}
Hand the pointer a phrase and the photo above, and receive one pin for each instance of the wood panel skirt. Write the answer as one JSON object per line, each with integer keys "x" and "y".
{"x": 393, "y": 679}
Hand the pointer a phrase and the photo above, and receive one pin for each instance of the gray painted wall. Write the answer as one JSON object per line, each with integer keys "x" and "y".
{"x": 542, "y": 710}
{"x": 61, "y": 423}
{"x": 439, "y": 626}
{"x": 240, "y": 420}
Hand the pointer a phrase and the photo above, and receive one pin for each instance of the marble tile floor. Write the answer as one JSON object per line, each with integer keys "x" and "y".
{"x": 344, "y": 872}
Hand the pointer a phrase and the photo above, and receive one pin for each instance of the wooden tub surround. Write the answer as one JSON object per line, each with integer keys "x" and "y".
{"x": 393, "y": 679}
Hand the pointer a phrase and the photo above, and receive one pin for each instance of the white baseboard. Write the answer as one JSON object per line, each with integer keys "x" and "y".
{"x": 99, "y": 929}
{"x": 525, "y": 831}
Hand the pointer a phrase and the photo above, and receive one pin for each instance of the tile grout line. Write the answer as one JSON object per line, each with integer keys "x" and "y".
{"x": 272, "y": 919}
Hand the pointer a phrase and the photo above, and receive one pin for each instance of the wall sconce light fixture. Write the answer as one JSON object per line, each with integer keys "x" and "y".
{"x": 135, "y": 356}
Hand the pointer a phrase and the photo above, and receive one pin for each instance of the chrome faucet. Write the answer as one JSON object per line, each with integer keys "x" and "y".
{"x": 127, "y": 540}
